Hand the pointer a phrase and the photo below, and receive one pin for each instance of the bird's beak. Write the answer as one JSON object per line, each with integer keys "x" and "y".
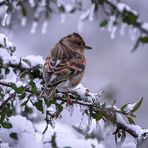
{"x": 87, "y": 47}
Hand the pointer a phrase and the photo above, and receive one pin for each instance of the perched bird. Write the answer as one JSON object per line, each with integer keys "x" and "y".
{"x": 65, "y": 64}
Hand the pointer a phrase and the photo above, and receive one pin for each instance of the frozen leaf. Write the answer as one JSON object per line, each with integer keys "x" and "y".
{"x": 14, "y": 135}
{"x": 130, "y": 120}
{"x": 144, "y": 39}
{"x": 39, "y": 105}
{"x": 101, "y": 2}
{"x": 129, "y": 17}
{"x": 124, "y": 107}
{"x": 104, "y": 23}
{"x": 6, "y": 125}
{"x": 137, "y": 105}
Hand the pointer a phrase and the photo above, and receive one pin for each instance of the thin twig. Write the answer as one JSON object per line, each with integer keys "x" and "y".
{"x": 7, "y": 100}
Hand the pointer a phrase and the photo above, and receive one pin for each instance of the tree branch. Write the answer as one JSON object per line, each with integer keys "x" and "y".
{"x": 110, "y": 113}
{"x": 138, "y": 24}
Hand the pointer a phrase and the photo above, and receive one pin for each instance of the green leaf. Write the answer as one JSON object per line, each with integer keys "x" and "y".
{"x": 7, "y": 71}
{"x": 28, "y": 109}
{"x": 13, "y": 86}
{"x": 22, "y": 95}
{"x": 47, "y": 102}
{"x": 14, "y": 135}
{"x": 6, "y": 125}
{"x": 96, "y": 116}
{"x": 137, "y": 105}
{"x": 104, "y": 23}
{"x": 144, "y": 39}
{"x": 101, "y": 2}
{"x": 27, "y": 62}
{"x": 20, "y": 89}
{"x": 130, "y": 120}
{"x": 24, "y": 12}
{"x": 33, "y": 87}
{"x": 60, "y": 107}
{"x": 129, "y": 17}
{"x": 62, "y": 9}
{"x": 8, "y": 110}
{"x": 39, "y": 105}
{"x": 124, "y": 106}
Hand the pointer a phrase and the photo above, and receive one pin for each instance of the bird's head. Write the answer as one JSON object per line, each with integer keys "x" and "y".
{"x": 75, "y": 42}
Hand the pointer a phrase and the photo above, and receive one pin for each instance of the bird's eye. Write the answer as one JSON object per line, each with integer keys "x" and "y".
{"x": 79, "y": 43}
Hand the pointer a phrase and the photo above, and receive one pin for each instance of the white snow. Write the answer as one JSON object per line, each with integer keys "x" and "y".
{"x": 135, "y": 128}
{"x": 25, "y": 131}
{"x": 84, "y": 15}
{"x": 34, "y": 27}
{"x": 29, "y": 137}
{"x": 80, "y": 26}
{"x": 4, "y": 21}
{"x": 68, "y": 7}
{"x": 7, "y": 58}
{"x": 44, "y": 27}
{"x": 35, "y": 60}
{"x": 32, "y": 3}
{"x": 145, "y": 26}
{"x": 122, "y": 29}
{"x": 65, "y": 136}
{"x": 132, "y": 33}
{"x": 113, "y": 32}
{"x": 121, "y": 7}
{"x": 4, "y": 40}
{"x": 85, "y": 94}
{"x": 63, "y": 17}
{"x": 23, "y": 21}
{"x": 91, "y": 14}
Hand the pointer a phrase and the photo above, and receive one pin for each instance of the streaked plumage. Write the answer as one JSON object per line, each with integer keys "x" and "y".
{"x": 65, "y": 64}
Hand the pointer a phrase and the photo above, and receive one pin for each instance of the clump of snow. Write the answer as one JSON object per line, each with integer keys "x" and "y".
{"x": 69, "y": 7}
{"x": 34, "y": 27}
{"x": 85, "y": 94}
{"x": 113, "y": 32}
{"x": 80, "y": 26}
{"x": 32, "y": 3}
{"x": 145, "y": 26}
{"x": 132, "y": 33}
{"x": 25, "y": 131}
{"x": 65, "y": 137}
{"x": 5, "y": 42}
{"x": 35, "y": 60}
{"x": 63, "y": 17}
{"x": 140, "y": 132}
{"x": 23, "y": 21}
{"x": 4, "y": 145}
{"x": 122, "y": 29}
{"x": 121, "y": 7}
{"x": 4, "y": 21}
{"x": 91, "y": 14}
{"x": 7, "y": 58}
{"x": 44, "y": 27}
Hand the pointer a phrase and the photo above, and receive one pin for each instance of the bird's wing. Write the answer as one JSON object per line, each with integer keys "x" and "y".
{"x": 57, "y": 71}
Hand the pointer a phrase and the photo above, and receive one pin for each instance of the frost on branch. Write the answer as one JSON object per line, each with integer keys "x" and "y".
{"x": 21, "y": 87}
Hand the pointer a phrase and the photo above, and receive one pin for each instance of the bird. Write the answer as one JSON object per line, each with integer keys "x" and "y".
{"x": 65, "y": 65}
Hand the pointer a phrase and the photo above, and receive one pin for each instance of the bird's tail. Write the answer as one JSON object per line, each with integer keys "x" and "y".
{"x": 49, "y": 92}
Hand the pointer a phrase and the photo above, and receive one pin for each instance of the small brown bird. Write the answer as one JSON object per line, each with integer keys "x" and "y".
{"x": 65, "y": 64}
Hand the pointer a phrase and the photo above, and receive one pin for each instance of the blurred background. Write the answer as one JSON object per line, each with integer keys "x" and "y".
{"x": 111, "y": 66}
